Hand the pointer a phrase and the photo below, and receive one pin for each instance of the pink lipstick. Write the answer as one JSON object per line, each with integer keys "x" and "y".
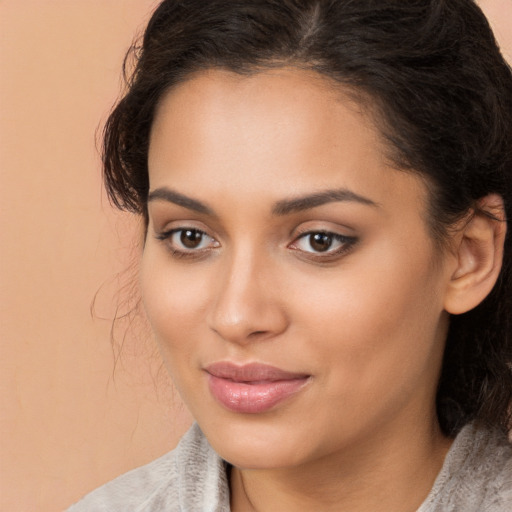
{"x": 252, "y": 388}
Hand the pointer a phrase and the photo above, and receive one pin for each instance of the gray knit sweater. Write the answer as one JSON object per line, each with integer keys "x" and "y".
{"x": 476, "y": 477}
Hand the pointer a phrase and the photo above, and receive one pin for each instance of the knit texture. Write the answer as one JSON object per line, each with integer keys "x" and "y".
{"x": 476, "y": 477}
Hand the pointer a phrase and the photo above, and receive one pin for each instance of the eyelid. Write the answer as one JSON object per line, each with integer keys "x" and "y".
{"x": 164, "y": 235}
{"x": 165, "y": 226}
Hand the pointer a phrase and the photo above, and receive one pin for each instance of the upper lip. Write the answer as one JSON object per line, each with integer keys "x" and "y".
{"x": 251, "y": 372}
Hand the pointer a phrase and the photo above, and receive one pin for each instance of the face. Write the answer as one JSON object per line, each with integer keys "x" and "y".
{"x": 288, "y": 272}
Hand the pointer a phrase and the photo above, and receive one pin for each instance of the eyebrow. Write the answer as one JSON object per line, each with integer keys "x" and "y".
{"x": 171, "y": 196}
{"x": 307, "y": 202}
{"x": 282, "y": 207}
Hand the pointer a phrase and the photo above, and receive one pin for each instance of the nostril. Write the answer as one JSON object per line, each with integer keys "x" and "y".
{"x": 257, "y": 333}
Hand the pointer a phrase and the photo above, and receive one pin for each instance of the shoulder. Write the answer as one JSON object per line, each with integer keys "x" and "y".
{"x": 476, "y": 475}
{"x": 182, "y": 479}
{"x": 133, "y": 488}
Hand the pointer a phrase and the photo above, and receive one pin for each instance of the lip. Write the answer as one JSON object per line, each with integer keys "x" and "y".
{"x": 252, "y": 388}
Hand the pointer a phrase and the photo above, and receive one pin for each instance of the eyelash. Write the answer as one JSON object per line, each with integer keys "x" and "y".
{"x": 166, "y": 237}
{"x": 346, "y": 244}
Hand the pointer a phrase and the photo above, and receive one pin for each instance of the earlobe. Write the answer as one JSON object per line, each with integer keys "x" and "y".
{"x": 479, "y": 256}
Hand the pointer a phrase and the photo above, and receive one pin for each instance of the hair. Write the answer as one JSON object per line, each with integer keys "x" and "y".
{"x": 442, "y": 93}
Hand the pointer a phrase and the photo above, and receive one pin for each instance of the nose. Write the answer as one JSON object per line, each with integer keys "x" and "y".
{"x": 247, "y": 304}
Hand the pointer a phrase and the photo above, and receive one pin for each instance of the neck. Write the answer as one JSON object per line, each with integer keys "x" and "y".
{"x": 392, "y": 470}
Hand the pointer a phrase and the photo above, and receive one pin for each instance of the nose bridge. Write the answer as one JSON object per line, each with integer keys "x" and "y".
{"x": 246, "y": 302}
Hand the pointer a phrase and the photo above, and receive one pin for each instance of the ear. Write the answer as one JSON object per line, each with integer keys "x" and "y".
{"x": 478, "y": 256}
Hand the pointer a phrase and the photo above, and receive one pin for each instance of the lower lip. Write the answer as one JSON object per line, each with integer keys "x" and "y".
{"x": 253, "y": 398}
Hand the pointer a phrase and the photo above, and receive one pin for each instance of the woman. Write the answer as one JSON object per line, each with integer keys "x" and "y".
{"x": 325, "y": 187}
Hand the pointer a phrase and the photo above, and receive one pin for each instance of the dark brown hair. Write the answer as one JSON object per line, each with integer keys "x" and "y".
{"x": 443, "y": 93}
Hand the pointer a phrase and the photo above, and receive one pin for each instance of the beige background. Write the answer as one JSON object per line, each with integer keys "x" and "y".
{"x": 71, "y": 416}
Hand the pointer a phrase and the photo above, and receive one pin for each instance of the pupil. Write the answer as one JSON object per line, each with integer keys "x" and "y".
{"x": 190, "y": 238}
{"x": 320, "y": 242}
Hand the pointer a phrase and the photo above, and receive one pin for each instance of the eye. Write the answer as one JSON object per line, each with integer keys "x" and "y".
{"x": 318, "y": 242}
{"x": 187, "y": 241}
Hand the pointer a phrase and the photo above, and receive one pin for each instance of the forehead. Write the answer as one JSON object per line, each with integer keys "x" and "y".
{"x": 276, "y": 133}
{"x": 215, "y": 96}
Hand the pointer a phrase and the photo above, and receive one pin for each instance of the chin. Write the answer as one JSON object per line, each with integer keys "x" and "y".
{"x": 247, "y": 456}
{"x": 256, "y": 444}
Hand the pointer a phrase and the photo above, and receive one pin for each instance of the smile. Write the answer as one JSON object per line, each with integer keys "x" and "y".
{"x": 252, "y": 388}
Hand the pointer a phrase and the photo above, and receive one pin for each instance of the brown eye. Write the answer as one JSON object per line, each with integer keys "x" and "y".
{"x": 324, "y": 244}
{"x": 191, "y": 238}
{"x": 320, "y": 242}
{"x": 187, "y": 241}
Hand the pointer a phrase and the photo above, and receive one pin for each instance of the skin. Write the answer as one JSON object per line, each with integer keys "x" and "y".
{"x": 365, "y": 319}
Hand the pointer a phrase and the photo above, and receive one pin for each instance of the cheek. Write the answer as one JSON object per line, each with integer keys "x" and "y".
{"x": 373, "y": 338}
{"x": 376, "y": 319}
{"x": 173, "y": 301}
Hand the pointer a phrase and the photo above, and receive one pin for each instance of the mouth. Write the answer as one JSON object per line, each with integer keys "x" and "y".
{"x": 252, "y": 388}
